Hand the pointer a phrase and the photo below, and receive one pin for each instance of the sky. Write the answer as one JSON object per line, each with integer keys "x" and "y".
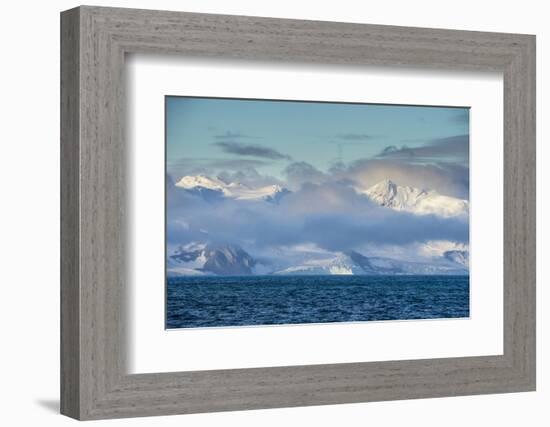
{"x": 211, "y": 135}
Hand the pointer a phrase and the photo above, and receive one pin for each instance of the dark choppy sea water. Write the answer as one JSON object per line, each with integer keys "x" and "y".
{"x": 275, "y": 300}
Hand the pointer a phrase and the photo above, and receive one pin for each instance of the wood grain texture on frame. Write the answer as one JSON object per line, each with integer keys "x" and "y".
{"x": 94, "y": 380}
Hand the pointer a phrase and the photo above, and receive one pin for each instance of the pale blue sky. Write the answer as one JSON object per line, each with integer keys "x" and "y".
{"x": 228, "y": 134}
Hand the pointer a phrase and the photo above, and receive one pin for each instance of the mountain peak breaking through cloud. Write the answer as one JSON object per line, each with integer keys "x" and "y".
{"x": 419, "y": 201}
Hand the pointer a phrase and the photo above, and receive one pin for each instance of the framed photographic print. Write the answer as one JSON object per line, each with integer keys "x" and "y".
{"x": 263, "y": 213}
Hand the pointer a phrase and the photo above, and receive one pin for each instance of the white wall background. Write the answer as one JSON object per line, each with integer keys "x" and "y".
{"x": 29, "y": 224}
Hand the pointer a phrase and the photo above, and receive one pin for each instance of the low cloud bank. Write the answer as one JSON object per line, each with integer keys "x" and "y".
{"x": 330, "y": 215}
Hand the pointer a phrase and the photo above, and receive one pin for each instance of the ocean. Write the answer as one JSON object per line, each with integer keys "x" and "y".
{"x": 211, "y": 301}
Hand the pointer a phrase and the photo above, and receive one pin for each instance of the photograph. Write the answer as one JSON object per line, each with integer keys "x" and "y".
{"x": 298, "y": 212}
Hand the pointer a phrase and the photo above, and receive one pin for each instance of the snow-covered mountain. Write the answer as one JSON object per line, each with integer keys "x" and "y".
{"x": 434, "y": 257}
{"x": 231, "y": 260}
{"x": 200, "y": 258}
{"x": 460, "y": 257}
{"x": 358, "y": 264}
{"x": 211, "y": 188}
{"x": 404, "y": 198}
{"x": 189, "y": 182}
{"x": 340, "y": 263}
{"x": 385, "y": 193}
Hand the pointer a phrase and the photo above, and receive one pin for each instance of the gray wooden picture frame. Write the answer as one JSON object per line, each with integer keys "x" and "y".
{"x": 94, "y": 381}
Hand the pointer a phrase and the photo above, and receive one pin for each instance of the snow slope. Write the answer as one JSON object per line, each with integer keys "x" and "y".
{"x": 353, "y": 262}
{"x": 404, "y": 198}
{"x": 234, "y": 190}
{"x": 199, "y": 258}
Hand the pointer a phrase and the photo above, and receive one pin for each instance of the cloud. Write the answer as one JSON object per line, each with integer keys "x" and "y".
{"x": 299, "y": 173}
{"x": 388, "y": 150}
{"x": 449, "y": 179}
{"x": 233, "y": 135}
{"x": 454, "y": 147}
{"x": 355, "y": 136}
{"x": 211, "y": 166}
{"x": 345, "y": 232}
{"x": 249, "y": 176}
{"x": 331, "y": 216}
{"x": 251, "y": 150}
